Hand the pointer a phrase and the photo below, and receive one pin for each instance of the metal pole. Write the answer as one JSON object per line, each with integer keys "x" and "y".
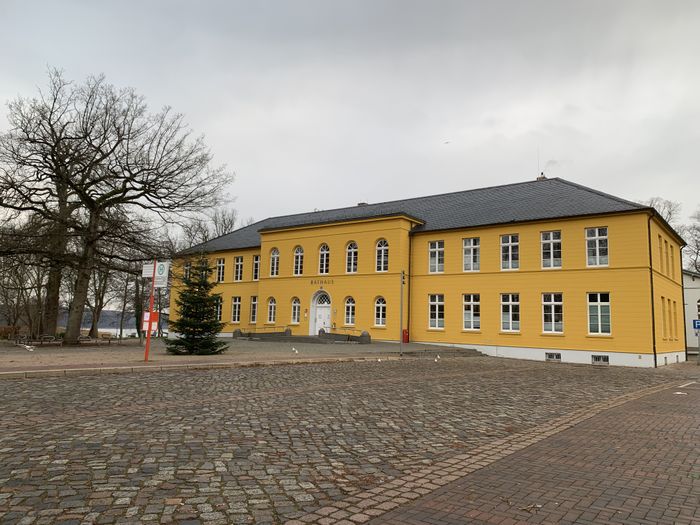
{"x": 150, "y": 312}
{"x": 403, "y": 276}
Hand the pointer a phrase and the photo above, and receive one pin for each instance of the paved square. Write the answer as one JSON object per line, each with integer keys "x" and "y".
{"x": 270, "y": 444}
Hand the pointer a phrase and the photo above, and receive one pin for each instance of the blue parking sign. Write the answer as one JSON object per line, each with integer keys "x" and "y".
{"x": 696, "y": 324}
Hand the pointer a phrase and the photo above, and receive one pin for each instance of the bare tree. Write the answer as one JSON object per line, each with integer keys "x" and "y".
{"x": 87, "y": 159}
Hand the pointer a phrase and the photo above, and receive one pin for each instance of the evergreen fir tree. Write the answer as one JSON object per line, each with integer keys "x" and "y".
{"x": 197, "y": 325}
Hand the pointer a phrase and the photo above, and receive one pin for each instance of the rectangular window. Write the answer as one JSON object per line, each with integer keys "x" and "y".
{"x": 220, "y": 266}
{"x": 661, "y": 254}
{"x": 436, "y": 311}
{"x": 186, "y": 271}
{"x": 599, "y": 313}
{"x": 236, "y": 310}
{"x": 671, "y": 335}
{"x": 256, "y": 267}
{"x": 238, "y": 268}
{"x": 472, "y": 256}
{"x": 253, "y": 309}
{"x": 436, "y": 256}
{"x": 600, "y": 360}
{"x": 597, "y": 246}
{"x": 675, "y": 321}
{"x": 668, "y": 266}
{"x": 552, "y": 356}
{"x": 472, "y": 311}
{"x": 552, "y": 313}
{"x": 551, "y": 249}
{"x": 218, "y": 308}
{"x": 298, "y": 261}
{"x": 673, "y": 264}
{"x": 510, "y": 256}
{"x": 510, "y": 312}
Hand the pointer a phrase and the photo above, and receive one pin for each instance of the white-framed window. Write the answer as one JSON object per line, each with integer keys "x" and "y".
{"x": 219, "y": 305}
{"x": 271, "y": 310}
{"x": 298, "y": 260}
{"x": 599, "y": 313}
{"x": 382, "y": 255}
{"x": 186, "y": 271}
{"x": 238, "y": 268}
{"x": 552, "y": 313}
{"x": 510, "y": 312}
{"x": 471, "y": 254}
{"x": 351, "y": 256}
{"x": 253, "y": 309}
{"x": 296, "y": 310}
{"x": 436, "y": 256}
{"x": 274, "y": 262}
{"x": 472, "y": 311}
{"x": 350, "y": 311}
{"x": 510, "y": 252}
{"x": 436, "y": 311}
{"x": 220, "y": 270}
{"x": 380, "y": 312}
{"x": 597, "y": 246}
{"x": 256, "y": 267}
{"x": 236, "y": 310}
{"x": 551, "y": 249}
{"x": 324, "y": 258}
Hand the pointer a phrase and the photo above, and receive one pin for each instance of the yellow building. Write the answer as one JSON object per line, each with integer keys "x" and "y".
{"x": 546, "y": 269}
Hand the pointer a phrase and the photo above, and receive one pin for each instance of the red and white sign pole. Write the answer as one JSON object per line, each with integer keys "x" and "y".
{"x": 150, "y": 312}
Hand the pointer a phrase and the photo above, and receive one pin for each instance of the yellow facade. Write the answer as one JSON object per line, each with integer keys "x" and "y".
{"x": 627, "y": 279}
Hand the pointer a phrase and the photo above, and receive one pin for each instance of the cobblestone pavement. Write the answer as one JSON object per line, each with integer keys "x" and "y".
{"x": 271, "y": 444}
{"x": 636, "y": 463}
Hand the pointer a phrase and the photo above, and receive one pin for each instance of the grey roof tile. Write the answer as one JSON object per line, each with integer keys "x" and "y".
{"x": 520, "y": 202}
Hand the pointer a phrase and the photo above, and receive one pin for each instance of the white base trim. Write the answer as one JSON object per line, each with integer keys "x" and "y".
{"x": 571, "y": 356}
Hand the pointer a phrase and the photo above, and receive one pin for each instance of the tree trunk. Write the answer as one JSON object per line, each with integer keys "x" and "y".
{"x": 124, "y": 299}
{"x": 138, "y": 306}
{"x": 82, "y": 281}
{"x": 52, "y": 300}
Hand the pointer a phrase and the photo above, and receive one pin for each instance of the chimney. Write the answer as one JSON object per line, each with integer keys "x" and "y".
{"x": 541, "y": 177}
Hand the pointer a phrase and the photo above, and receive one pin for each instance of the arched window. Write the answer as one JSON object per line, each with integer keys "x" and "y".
{"x": 324, "y": 256}
{"x": 349, "y": 311}
{"x": 380, "y": 312}
{"x": 382, "y": 256}
{"x": 296, "y": 310}
{"x": 351, "y": 257}
{"x": 298, "y": 260}
{"x": 271, "y": 310}
{"x": 274, "y": 262}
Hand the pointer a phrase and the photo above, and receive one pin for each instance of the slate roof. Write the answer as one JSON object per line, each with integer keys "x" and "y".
{"x": 510, "y": 203}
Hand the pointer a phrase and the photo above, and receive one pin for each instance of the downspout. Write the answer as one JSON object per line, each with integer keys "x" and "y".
{"x": 651, "y": 283}
{"x": 408, "y": 283}
{"x": 685, "y": 329}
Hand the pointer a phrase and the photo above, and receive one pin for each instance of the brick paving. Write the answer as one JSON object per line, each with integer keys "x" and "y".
{"x": 319, "y": 443}
{"x": 637, "y": 463}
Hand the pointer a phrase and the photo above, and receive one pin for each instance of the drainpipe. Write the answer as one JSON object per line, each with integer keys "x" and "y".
{"x": 651, "y": 283}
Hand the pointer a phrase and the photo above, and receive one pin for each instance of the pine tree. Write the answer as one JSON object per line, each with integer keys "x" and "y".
{"x": 197, "y": 325}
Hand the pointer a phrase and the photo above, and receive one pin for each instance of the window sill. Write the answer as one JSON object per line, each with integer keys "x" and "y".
{"x": 504, "y": 332}
{"x": 599, "y": 336}
{"x": 379, "y": 327}
{"x": 552, "y": 334}
{"x": 294, "y": 323}
{"x": 471, "y": 271}
{"x": 597, "y": 266}
{"x": 436, "y": 329}
{"x": 548, "y": 268}
{"x": 470, "y": 331}
{"x": 510, "y": 269}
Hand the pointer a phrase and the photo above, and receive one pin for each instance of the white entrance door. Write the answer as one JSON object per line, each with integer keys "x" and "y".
{"x": 322, "y": 313}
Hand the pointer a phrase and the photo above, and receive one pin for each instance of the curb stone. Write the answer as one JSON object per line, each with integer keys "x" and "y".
{"x": 91, "y": 371}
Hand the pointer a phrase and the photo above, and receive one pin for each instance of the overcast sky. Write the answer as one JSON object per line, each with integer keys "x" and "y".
{"x": 322, "y": 104}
